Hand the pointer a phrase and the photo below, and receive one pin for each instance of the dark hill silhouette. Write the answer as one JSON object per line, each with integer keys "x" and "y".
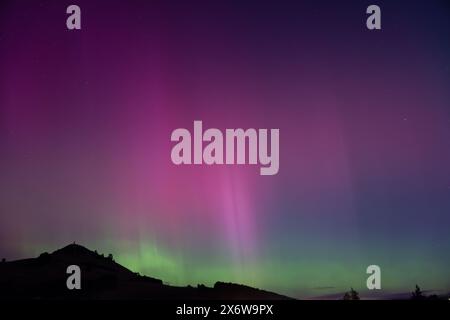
{"x": 45, "y": 277}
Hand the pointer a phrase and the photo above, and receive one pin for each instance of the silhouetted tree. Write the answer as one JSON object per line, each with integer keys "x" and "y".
{"x": 3, "y": 260}
{"x": 418, "y": 294}
{"x": 110, "y": 257}
{"x": 351, "y": 295}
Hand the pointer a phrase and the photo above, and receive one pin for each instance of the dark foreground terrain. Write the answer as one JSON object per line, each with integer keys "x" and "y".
{"x": 102, "y": 278}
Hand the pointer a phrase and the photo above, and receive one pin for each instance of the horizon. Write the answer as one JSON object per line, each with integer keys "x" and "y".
{"x": 363, "y": 294}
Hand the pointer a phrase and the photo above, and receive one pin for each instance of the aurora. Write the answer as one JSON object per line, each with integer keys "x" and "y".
{"x": 86, "y": 118}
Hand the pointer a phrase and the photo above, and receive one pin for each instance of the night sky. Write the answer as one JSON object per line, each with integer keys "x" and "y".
{"x": 364, "y": 118}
